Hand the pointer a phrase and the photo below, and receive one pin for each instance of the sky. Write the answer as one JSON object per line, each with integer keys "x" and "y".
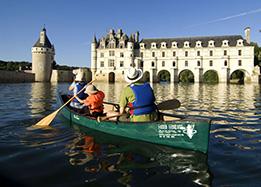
{"x": 71, "y": 25}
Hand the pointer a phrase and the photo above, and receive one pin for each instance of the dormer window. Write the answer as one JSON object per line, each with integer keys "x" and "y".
{"x": 142, "y": 45}
{"x": 225, "y": 43}
{"x": 240, "y": 42}
{"x": 153, "y": 45}
{"x": 174, "y": 44}
{"x": 211, "y": 43}
{"x": 198, "y": 44}
{"x": 163, "y": 45}
{"x": 186, "y": 44}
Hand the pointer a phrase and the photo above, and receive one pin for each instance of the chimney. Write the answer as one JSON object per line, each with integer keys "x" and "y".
{"x": 247, "y": 35}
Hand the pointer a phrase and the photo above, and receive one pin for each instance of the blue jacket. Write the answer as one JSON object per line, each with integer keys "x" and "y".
{"x": 77, "y": 88}
{"x": 144, "y": 99}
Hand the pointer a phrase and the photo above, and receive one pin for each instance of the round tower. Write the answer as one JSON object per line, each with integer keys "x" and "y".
{"x": 42, "y": 58}
{"x": 94, "y": 56}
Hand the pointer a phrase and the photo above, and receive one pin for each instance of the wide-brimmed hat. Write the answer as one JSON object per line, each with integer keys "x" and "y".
{"x": 133, "y": 75}
{"x": 91, "y": 89}
{"x": 79, "y": 76}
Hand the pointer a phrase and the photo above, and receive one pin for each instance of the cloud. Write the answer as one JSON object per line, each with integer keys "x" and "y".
{"x": 227, "y": 18}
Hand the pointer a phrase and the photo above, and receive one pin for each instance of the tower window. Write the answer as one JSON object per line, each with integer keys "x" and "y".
{"x": 163, "y": 63}
{"x": 225, "y": 63}
{"x": 210, "y": 63}
{"x": 153, "y": 54}
{"x": 186, "y": 53}
{"x": 239, "y": 52}
{"x": 102, "y": 63}
{"x": 198, "y": 53}
{"x": 121, "y": 63}
{"x": 239, "y": 62}
{"x": 174, "y": 53}
{"x": 173, "y": 63}
{"x": 198, "y": 63}
{"x": 211, "y": 53}
{"x": 186, "y": 63}
{"x": 152, "y": 64}
{"x": 225, "y": 52}
{"x": 163, "y": 54}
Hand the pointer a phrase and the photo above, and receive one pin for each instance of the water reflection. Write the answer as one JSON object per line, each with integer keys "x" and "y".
{"x": 133, "y": 161}
{"x": 42, "y": 97}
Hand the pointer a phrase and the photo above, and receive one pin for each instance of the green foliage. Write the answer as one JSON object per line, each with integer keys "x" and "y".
{"x": 23, "y": 65}
{"x": 186, "y": 76}
{"x": 257, "y": 54}
{"x": 15, "y": 66}
{"x": 210, "y": 77}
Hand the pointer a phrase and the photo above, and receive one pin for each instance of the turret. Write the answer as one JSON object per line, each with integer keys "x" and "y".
{"x": 42, "y": 58}
{"x": 94, "y": 56}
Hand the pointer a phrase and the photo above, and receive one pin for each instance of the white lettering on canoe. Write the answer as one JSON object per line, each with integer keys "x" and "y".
{"x": 177, "y": 130}
{"x": 76, "y": 117}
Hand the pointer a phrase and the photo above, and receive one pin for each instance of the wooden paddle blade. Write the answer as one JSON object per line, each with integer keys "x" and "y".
{"x": 47, "y": 120}
{"x": 169, "y": 104}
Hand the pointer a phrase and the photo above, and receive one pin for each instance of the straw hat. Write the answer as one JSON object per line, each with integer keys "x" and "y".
{"x": 79, "y": 76}
{"x": 91, "y": 89}
{"x": 133, "y": 75}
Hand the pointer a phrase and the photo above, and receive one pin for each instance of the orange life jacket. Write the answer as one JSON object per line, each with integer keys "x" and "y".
{"x": 94, "y": 102}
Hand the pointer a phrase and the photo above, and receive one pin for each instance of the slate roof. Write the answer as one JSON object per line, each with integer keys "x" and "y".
{"x": 192, "y": 41}
{"x": 47, "y": 43}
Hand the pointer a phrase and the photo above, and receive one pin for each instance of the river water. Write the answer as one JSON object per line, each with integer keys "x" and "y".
{"x": 65, "y": 155}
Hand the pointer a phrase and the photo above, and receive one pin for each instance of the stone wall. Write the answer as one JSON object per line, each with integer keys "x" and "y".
{"x": 61, "y": 76}
{"x": 15, "y": 77}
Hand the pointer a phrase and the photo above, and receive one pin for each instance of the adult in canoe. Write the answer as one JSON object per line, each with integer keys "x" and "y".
{"x": 138, "y": 98}
{"x": 76, "y": 86}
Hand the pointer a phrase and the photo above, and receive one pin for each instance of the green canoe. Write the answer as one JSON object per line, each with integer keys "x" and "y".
{"x": 187, "y": 133}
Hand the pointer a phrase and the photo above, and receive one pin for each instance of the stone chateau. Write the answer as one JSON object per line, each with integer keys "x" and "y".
{"x": 223, "y": 55}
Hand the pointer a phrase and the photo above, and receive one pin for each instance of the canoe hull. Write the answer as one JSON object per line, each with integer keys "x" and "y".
{"x": 189, "y": 134}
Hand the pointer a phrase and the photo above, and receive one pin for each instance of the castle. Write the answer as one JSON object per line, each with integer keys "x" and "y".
{"x": 223, "y": 55}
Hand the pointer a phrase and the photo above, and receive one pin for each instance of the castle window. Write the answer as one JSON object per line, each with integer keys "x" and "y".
{"x": 173, "y": 63}
{"x": 198, "y": 63}
{"x": 225, "y": 52}
{"x": 121, "y": 63}
{"x": 154, "y": 45}
{"x": 198, "y": 53}
{"x": 121, "y": 54}
{"x": 111, "y": 63}
{"x": 102, "y": 55}
{"x": 163, "y": 54}
{"x": 102, "y": 64}
{"x": 163, "y": 63}
{"x": 111, "y": 53}
{"x": 186, "y": 44}
{"x": 152, "y": 64}
{"x": 122, "y": 72}
{"x": 198, "y": 44}
{"x": 174, "y": 44}
{"x": 100, "y": 71}
{"x": 240, "y": 42}
{"x": 186, "y": 63}
{"x": 225, "y": 63}
{"x": 186, "y": 53}
{"x": 210, "y": 63}
{"x": 239, "y": 52}
{"x": 211, "y": 43}
{"x": 239, "y": 62}
{"x": 141, "y": 54}
{"x": 225, "y": 43}
{"x": 174, "y": 53}
{"x": 153, "y": 54}
{"x": 142, "y": 45}
{"x": 163, "y": 45}
{"x": 211, "y": 53}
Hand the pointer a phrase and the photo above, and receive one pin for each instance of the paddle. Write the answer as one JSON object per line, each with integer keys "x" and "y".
{"x": 165, "y": 105}
{"x": 48, "y": 119}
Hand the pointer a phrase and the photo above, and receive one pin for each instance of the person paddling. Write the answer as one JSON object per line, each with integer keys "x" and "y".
{"x": 138, "y": 97}
{"x": 94, "y": 101}
{"x": 76, "y": 86}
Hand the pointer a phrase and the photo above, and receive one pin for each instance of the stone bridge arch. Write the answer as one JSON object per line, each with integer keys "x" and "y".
{"x": 186, "y": 76}
{"x": 210, "y": 76}
{"x": 239, "y": 76}
{"x": 163, "y": 76}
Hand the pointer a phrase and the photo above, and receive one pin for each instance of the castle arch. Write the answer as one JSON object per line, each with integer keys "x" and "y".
{"x": 186, "y": 76}
{"x": 111, "y": 77}
{"x": 239, "y": 76}
{"x": 210, "y": 76}
{"x": 163, "y": 76}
